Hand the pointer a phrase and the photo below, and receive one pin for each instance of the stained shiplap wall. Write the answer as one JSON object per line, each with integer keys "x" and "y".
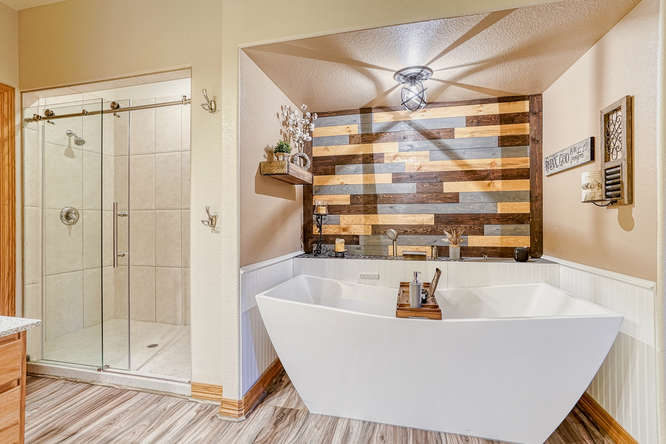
{"x": 465, "y": 163}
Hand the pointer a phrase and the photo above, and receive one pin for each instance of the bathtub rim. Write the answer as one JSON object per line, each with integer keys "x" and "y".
{"x": 606, "y": 313}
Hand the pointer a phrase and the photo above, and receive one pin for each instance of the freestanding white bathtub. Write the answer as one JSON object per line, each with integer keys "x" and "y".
{"x": 506, "y": 362}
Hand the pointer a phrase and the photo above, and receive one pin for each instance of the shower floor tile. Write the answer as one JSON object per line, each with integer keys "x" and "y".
{"x": 173, "y": 361}
{"x": 170, "y": 358}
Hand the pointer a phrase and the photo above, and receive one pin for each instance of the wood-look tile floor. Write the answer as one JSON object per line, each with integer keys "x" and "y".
{"x": 58, "y": 410}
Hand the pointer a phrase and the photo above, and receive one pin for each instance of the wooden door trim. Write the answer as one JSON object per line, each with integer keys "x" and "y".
{"x": 536, "y": 175}
{"x": 7, "y": 202}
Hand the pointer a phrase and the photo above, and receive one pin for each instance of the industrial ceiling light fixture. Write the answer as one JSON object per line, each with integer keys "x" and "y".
{"x": 413, "y": 94}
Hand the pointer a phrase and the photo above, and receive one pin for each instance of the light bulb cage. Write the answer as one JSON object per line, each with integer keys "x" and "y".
{"x": 413, "y": 94}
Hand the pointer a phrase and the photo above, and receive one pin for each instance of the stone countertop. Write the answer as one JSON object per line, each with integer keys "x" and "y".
{"x": 490, "y": 260}
{"x": 10, "y": 324}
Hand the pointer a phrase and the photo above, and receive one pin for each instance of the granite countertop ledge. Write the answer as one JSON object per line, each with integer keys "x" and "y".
{"x": 10, "y": 325}
{"x": 490, "y": 260}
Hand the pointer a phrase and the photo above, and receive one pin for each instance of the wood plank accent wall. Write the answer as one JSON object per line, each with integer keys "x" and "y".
{"x": 474, "y": 163}
{"x": 7, "y": 203}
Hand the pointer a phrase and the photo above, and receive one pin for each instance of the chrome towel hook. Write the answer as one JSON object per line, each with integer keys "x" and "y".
{"x": 210, "y": 221}
{"x": 209, "y": 105}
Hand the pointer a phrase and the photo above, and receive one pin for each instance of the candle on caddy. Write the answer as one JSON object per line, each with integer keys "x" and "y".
{"x": 339, "y": 245}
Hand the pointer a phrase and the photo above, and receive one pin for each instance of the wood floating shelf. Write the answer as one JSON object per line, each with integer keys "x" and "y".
{"x": 285, "y": 171}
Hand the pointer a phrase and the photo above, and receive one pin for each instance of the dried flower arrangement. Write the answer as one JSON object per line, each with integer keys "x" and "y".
{"x": 454, "y": 235}
{"x": 296, "y": 129}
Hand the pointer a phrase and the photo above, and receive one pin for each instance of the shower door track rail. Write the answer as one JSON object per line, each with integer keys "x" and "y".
{"x": 114, "y": 108}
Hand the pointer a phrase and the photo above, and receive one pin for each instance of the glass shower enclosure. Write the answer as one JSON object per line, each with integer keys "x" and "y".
{"x": 79, "y": 220}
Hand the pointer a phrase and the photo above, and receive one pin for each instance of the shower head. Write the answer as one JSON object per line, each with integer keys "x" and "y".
{"x": 77, "y": 140}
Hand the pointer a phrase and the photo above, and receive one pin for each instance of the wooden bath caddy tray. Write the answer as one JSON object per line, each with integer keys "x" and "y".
{"x": 430, "y": 309}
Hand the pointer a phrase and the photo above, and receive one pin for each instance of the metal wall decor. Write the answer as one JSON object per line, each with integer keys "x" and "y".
{"x": 572, "y": 156}
{"x": 617, "y": 152}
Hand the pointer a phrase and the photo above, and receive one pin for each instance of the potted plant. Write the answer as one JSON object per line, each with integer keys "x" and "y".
{"x": 282, "y": 150}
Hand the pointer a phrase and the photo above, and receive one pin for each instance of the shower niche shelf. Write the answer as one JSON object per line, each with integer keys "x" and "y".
{"x": 285, "y": 171}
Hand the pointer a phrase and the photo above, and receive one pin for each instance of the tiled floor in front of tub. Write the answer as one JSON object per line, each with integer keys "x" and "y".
{"x": 59, "y": 410}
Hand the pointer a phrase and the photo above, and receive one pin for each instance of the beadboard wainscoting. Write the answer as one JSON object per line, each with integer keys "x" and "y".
{"x": 389, "y": 273}
{"x": 257, "y": 352}
{"x": 626, "y": 384}
{"x": 474, "y": 163}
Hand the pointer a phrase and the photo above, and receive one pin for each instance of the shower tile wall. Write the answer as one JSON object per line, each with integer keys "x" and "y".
{"x": 159, "y": 180}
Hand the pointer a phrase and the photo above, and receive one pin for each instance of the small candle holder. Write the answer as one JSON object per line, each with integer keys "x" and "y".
{"x": 320, "y": 213}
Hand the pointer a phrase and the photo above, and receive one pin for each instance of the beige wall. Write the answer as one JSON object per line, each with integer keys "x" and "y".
{"x": 622, "y": 63}
{"x": 151, "y": 35}
{"x": 271, "y": 212}
{"x": 8, "y": 46}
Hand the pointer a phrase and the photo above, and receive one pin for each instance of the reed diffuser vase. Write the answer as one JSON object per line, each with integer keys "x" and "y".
{"x": 454, "y": 252}
{"x": 454, "y": 236}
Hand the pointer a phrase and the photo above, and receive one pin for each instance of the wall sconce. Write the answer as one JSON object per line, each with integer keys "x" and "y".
{"x": 320, "y": 212}
{"x": 592, "y": 189}
{"x": 209, "y": 105}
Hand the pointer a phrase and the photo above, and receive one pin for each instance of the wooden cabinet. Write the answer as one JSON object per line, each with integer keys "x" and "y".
{"x": 12, "y": 388}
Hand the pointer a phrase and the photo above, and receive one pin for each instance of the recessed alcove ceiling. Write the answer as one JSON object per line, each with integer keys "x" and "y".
{"x": 511, "y": 52}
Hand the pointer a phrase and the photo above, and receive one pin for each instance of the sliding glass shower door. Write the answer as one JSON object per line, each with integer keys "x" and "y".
{"x": 72, "y": 281}
{"x": 116, "y": 322}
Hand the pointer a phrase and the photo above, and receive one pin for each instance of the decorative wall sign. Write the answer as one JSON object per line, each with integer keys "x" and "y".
{"x": 575, "y": 155}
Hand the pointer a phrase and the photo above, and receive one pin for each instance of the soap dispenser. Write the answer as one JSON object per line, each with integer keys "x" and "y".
{"x": 415, "y": 287}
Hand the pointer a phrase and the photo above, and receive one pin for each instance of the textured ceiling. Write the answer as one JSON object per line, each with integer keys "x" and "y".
{"x": 24, "y": 4}
{"x": 512, "y": 52}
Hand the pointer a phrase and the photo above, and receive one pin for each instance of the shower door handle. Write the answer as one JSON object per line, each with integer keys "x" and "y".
{"x": 115, "y": 235}
{"x": 116, "y": 215}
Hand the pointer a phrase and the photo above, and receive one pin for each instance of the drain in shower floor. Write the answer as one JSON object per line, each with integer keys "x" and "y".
{"x": 152, "y": 345}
